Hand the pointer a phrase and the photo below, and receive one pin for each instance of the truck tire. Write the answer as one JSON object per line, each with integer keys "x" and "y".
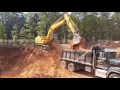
{"x": 64, "y": 64}
{"x": 72, "y": 67}
{"x": 77, "y": 67}
{"x": 115, "y": 75}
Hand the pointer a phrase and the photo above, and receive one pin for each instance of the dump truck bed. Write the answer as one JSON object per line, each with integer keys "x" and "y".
{"x": 77, "y": 56}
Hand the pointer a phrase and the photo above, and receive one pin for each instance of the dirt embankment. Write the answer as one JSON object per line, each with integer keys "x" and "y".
{"x": 26, "y": 61}
{"x": 32, "y": 62}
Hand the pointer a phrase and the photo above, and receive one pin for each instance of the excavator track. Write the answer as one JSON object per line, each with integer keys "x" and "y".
{"x": 41, "y": 46}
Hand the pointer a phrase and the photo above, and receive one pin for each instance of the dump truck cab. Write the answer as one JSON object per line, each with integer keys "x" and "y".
{"x": 100, "y": 61}
{"x": 105, "y": 56}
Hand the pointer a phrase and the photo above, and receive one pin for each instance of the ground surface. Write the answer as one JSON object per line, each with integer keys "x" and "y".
{"x": 33, "y": 62}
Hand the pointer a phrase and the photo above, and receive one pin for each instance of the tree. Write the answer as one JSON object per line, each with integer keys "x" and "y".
{"x": 2, "y": 32}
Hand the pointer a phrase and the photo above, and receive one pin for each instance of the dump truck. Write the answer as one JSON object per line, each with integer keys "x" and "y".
{"x": 100, "y": 61}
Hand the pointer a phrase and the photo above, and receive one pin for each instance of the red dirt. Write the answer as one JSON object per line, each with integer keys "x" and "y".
{"x": 32, "y": 62}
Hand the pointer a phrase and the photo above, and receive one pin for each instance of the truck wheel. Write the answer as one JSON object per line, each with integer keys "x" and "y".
{"x": 71, "y": 67}
{"x": 64, "y": 64}
{"x": 77, "y": 67}
{"x": 114, "y": 76}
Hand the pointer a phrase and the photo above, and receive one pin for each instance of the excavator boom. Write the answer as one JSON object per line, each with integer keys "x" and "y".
{"x": 53, "y": 28}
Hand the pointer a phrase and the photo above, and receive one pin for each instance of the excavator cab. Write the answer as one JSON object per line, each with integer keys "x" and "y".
{"x": 54, "y": 40}
{"x": 55, "y": 37}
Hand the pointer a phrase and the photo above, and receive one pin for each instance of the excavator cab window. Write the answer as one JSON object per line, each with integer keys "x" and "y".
{"x": 54, "y": 37}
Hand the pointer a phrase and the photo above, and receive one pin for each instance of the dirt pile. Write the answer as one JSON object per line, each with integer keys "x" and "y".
{"x": 33, "y": 62}
{"x": 25, "y": 60}
{"x": 108, "y": 44}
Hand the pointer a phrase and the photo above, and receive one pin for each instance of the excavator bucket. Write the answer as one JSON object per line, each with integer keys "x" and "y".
{"x": 77, "y": 42}
{"x": 76, "y": 39}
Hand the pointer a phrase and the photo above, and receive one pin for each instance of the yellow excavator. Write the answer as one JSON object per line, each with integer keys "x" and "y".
{"x": 47, "y": 40}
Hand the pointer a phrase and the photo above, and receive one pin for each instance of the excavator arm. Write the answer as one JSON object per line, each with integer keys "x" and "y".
{"x": 70, "y": 23}
{"x": 59, "y": 23}
{"x": 74, "y": 29}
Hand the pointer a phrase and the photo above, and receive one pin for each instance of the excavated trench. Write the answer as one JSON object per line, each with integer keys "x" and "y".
{"x": 33, "y": 62}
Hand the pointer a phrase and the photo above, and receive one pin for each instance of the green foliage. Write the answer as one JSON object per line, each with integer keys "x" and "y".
{"x": 2, "y": 32}
{"x": 14, "y": 37}
{"x": 92, "y": 26}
